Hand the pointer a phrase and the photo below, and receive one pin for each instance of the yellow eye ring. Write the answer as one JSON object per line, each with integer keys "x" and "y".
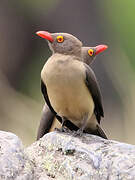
{"x": 60, "y": 39}
{"x": 90, "y": 52}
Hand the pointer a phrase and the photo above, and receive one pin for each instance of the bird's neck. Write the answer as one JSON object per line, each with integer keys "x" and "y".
{"x": 67, "y": 56}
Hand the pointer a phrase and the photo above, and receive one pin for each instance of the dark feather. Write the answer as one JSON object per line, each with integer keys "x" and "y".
{"x": 98, "y": 132}
{"x": 46, "y": 122}
{"x": 94, "y": 89}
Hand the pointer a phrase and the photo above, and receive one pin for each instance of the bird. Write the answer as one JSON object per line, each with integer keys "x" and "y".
{"x": 69, "y": 86}
{"x": 48, "y": 121}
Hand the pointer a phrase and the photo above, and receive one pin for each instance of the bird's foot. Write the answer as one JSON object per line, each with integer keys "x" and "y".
{"x": 79, "y": 132}
{"x": 62, "y": 129}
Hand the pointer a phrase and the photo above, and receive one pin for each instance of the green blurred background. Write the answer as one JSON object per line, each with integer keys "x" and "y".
{"x": 22, "y": 55}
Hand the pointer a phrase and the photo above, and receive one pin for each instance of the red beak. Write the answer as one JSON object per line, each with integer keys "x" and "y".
{"x": 100, "y": 48}
{"x": 45, "y": 35}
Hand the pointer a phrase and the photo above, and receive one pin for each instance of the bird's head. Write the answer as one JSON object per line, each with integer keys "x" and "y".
{"x": 62, "y": 43}
{"x": 89, "y": 53}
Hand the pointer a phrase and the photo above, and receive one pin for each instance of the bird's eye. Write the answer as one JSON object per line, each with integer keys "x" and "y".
{"x": 60, "y": 39}
{"x": 90, "y": 52}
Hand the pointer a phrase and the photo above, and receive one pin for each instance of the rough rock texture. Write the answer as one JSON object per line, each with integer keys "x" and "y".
{"x": 62, "y": 156}
{"x": 14, "y": 164}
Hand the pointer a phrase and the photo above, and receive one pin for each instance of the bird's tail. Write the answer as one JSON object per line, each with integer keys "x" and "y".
{"x": 98, "y": 132}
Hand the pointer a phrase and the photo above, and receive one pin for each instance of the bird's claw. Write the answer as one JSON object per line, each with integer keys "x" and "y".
{"x": 62, "y": 129}
{"x": 79, "y": 132}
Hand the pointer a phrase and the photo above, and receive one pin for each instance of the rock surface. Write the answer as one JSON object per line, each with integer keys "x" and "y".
{"x": 14, "y": 164}
{"x": 62, "y": 156}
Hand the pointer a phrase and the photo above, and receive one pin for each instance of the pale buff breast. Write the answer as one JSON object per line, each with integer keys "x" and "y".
{"x": 65, "y": 82}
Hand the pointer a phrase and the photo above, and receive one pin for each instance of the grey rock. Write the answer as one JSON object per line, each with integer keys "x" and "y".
{"x": 13, "y": 163}
{"x": 63, "y": 156}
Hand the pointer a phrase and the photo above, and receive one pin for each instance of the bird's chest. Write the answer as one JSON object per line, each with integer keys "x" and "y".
{"x": 68, "y": 94}
{"x": 61, "y": 74}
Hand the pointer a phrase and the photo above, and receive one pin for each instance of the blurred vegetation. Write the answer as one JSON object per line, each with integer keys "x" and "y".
{"x": 121, "y": 14}
{"x": 23, "y": 55}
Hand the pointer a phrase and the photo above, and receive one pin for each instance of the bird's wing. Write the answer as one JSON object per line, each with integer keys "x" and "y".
{"x": 44, "y": 92}
{"x": 45, "y": 122}
{"x": 68, "y": 123}
{"x": 94, "y": 90}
